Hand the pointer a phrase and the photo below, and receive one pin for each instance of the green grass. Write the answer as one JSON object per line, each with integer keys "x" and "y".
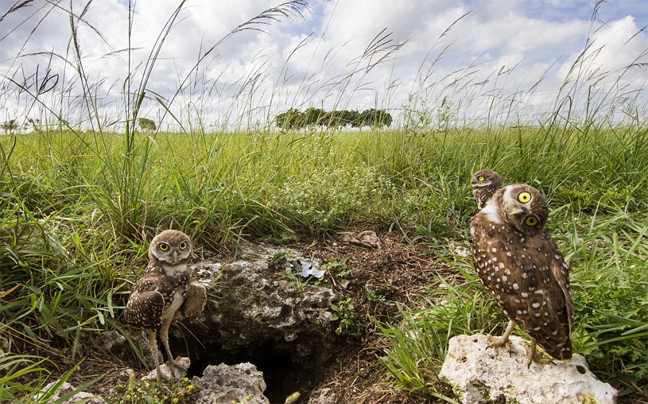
{"x": 68, "y": 236}
{"x": 603, "y": 232}
{"x": 79, "y": 207}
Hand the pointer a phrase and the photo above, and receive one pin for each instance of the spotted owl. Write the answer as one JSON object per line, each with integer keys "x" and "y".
{"x": 164, "y": 293}
{"x": 484, "y": 184}
{"x": 521, "y": 266}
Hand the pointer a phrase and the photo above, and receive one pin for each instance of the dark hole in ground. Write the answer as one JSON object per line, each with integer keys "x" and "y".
{"x": 283, "y": 375}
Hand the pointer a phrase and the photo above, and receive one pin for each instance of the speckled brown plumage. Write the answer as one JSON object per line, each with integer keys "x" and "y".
{"x": 484, "y": 184}
{"x": 523, "y": 269}
{"x": 164, "y": 293}
{"x": 152, "y": 294}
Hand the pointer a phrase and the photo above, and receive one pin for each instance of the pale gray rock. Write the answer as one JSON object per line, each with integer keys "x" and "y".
{"x": 253, "y": 306}
{"x": 224, "y": 384}
{"x": 169, "y": 372}
{"x": 5, "y": 345}
{"x": 66, "y": 388}
{"x": 113, "y": 340}
{"x": 481, "y": 374}
{"x": 323, "y": 396}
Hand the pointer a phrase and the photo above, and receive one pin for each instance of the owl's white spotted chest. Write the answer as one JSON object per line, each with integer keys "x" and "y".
{"x": 178, "y": 280}
{"x": 177, "y": 300}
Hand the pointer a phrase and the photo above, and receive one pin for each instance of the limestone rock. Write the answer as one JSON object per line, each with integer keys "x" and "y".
{"x": 323, "y": 396}
{"x": 113, "y": 340}
{"x": 169, "y": 371}
{"x": 224, "y": 384}
{"x": 481, "y": 374}
{"x": 66, "y": 388}
{"x": 367, "y": 239}
{"x": 252, "y": 307}
{"x": 5, "y": 345}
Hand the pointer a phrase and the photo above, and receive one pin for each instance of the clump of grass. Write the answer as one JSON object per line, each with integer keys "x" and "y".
{"x": 419, "y": 337}
{"x": 15, "y": 368}
{"x": 609, "y": 256}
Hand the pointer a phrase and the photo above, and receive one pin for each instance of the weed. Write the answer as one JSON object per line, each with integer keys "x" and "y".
{"x": 136, "y": 391}
{"x": 298, "y": 281}
{"x": 337, "y": 268}
{"x": 419, "y": 341}
{"x": 348, "y": 321}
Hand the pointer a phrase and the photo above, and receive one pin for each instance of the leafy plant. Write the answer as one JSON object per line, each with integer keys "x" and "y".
{"x": 10, "y": 126}
{"x": 337, "y": 268}
{"x": 348, "y": 321}
{"x": 609, "y": 292}
{"x": 137, "y": 391}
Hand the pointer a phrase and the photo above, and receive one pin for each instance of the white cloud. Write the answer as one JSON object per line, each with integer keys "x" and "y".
{"x": 612, "y": 49}
{"x": 500, "y": 49}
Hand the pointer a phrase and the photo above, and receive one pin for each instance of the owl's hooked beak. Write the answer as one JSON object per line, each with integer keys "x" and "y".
{"x": 517, "y": 212}
{"x": 174, "y": 257}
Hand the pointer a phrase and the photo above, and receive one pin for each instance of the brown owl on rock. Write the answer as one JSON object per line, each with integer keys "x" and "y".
{"x": 520, "y": 264}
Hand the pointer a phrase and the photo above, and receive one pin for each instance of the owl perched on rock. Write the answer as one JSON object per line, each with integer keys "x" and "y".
{"x": 164, "y": 293}
{"x": 484, "y": 184}
{"x": 521, "y": 266}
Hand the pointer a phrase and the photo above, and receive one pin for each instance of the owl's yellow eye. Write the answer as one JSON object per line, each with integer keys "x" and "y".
{"x": 531, "y": 221}
{"x": 164, "y": 246}
{"x": 481, "y": 178}
{"x": 524, "y": 197}
{"x": 183, "y": 245}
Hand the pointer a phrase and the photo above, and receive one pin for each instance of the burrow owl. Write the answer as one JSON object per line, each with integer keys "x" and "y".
{"x": 164, "y": 293}
{"x": 484, "y": 184}
{"x": 523, "y": 269}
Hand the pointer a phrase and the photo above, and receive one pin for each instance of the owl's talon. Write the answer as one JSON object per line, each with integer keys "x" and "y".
{"x": 534, "y": 356}
{"x": 498, "y": 342}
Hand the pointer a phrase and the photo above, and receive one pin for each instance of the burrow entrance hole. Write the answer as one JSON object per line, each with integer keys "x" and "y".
{"x": 282, "y": 373}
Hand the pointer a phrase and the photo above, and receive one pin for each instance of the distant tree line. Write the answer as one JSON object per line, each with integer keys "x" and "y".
{"x": 295, "y": 119}
{"x": 147, "y": 125}
{"x": 10, "y": 126}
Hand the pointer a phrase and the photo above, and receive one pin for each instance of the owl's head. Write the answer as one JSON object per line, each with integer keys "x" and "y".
{"x": 486, "y": 178}
{"x": 524, "y": 207}
{"x": 170, "y": 248}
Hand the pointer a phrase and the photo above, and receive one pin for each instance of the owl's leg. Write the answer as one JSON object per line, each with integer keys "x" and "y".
{"x": 153, "y": 347}
{"x": 532, "y": 357}
{"x": 164, "y": 336}
{"x": 503, "y": 340}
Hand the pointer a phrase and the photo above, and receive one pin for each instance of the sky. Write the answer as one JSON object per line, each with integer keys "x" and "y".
{"x": 207, "y": 65}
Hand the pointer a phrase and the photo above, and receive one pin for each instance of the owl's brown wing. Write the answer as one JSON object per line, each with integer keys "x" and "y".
{"x": 144, "y": 311}
{"x": 145, "y": 305}
{"x": 194, "y": 303}
{"x": 522, "y": 279}
{"x": 560, "y": 272}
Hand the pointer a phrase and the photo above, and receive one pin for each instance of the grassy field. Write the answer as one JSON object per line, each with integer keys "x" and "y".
{"x": 79, "y": 208}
